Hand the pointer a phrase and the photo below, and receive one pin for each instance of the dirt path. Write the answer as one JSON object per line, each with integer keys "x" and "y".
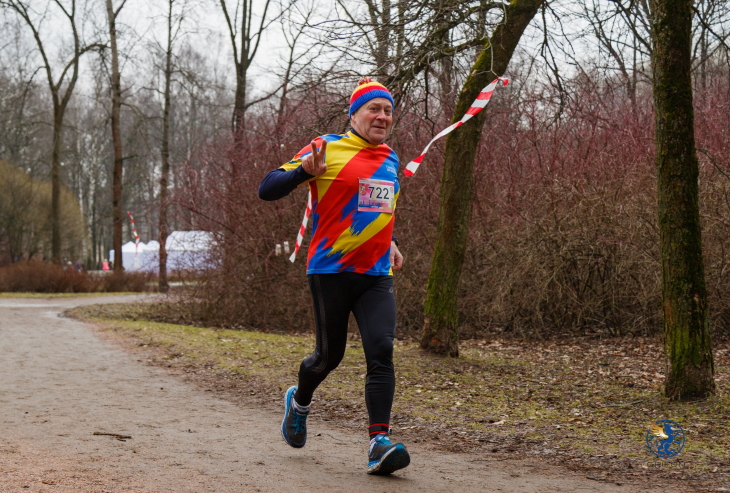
{"x": 60, "y": 383}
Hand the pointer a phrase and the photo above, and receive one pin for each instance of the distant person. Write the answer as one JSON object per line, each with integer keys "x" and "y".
{"x": 105, "y": 265}
{"x": 354, "y": 184}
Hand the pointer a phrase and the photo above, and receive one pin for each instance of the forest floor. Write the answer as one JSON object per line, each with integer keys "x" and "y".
{"x": 582, "y": 405}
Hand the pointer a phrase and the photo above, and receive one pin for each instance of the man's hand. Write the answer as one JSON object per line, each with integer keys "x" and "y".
{"x": 396, "y": 259}
{"x": 314, "y": 163}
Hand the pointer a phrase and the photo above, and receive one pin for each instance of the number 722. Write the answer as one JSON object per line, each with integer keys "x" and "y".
{"x": 381, "y": 193}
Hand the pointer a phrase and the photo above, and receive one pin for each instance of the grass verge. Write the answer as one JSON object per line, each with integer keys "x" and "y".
{"x": 584, "y": 404}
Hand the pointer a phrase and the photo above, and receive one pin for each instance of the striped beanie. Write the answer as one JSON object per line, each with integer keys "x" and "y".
{"x": 366, "y": 90}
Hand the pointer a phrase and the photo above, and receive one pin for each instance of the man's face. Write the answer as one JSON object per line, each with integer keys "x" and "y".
{"x": 373, "y": 120}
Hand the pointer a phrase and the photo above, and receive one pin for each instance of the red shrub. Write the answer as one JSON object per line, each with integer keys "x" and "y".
{"x": 563, "y": 235}
{"x": 41, "y": 277}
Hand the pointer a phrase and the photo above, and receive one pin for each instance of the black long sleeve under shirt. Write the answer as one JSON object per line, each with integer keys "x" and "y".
{"x": 279, "y": 183}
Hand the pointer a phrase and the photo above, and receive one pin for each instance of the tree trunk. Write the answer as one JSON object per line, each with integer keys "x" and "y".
{"x": 60, "y": 102}
{"x": 56, "y": 182}
{"x": 687, "y": 341}
{"x": 239, "y": 115}
{"x": 165, "y": 176}
{"x": 116, "y": 88}
{"x": 239, "y": 102}
{"x": 243, "y": 54}
{"x": 441, "y": 334}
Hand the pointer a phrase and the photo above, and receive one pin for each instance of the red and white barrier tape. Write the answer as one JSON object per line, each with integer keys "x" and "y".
{"x": 478, "y": 105}
{"x": 302, "y": 228}
{"x": 134, "y": 232}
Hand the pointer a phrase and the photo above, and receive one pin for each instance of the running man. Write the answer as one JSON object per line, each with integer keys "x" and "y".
{"x": 353, "y": 253}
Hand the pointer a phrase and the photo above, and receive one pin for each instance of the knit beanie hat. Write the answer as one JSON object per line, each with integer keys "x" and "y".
{"x": 366, "y": 90}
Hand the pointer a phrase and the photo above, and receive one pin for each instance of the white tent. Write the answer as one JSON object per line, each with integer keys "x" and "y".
{"x": 186, "y": 250}
{"x": 130, "y": 255}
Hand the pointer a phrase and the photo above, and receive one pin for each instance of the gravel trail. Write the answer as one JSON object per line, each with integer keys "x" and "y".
{"x": 60, "y": 383}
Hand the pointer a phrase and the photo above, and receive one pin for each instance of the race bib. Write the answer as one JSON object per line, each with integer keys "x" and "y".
{"x": 376, "y": 195}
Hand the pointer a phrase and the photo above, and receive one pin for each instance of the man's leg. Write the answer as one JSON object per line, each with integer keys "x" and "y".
{"x": 375, "y": 314}
{"x": 332, "y": 297}
{"x": 332, "y": 301}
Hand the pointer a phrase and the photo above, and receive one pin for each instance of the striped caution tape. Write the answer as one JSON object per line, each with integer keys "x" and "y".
{"x": 478, "y": 105}
{"x": 134, "y": 232}
{"x": 302, "y": 228}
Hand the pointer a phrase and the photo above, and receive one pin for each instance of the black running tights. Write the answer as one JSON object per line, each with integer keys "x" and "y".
{"x": 372, "y": 301}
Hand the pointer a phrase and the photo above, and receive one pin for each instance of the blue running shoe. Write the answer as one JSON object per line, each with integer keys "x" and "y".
{"x": 294, "y": 426}
{"x": 385, "y": 457}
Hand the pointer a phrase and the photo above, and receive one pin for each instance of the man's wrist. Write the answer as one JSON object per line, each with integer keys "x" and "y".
{"x": 394, "y": 240}
{"x": 303, "y": 173}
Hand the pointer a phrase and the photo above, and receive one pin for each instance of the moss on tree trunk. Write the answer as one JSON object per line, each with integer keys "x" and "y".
{"x": 687, "y": 341}
{"x": 441, "y": 329}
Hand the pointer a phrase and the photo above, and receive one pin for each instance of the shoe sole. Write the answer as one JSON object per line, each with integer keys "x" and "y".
{"x": 394, "y": 459}
{"x": 287, "y": 402}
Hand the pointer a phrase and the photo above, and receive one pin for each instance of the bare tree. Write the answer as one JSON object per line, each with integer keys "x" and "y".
{"x": 61, "y": 87}
{"x": 174, "y": 22}
{"x": 687, "y": 339}
{"x": 710, "y": 35}
{"x": 406, "y": 45}
{"x": 622, "y": 31}
{"x": 293, "y": 30}
{"x": 116, "y": 91}
{"x": 22, "y": 108}
{"x": 441, "y": 329}
{"x": 245, "y": 31}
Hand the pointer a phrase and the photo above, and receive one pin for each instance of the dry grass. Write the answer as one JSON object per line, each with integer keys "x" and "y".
{"x": 582, "y": 403}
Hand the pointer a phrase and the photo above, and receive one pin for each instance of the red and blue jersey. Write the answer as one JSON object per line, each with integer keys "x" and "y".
{"x": 345, "y": 239}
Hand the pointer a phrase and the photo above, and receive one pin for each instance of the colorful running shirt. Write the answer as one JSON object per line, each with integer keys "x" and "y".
{"x": 353, "y": 206}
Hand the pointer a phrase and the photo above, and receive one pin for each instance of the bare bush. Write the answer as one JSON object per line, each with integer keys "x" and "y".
{"x": 564, "y": 236}
{"x": 42, "y": 277}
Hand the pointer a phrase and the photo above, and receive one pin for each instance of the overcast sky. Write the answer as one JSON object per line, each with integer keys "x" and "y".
{"x": 141, "y": 23}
